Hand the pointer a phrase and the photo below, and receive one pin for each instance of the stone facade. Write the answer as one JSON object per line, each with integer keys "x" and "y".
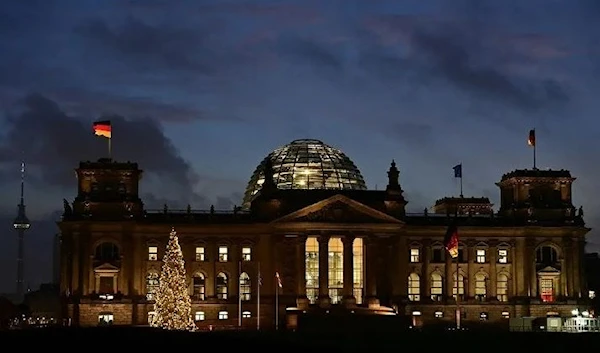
{"x": 526, "y": 259}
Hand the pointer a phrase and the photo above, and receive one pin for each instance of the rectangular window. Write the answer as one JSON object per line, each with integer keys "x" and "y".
{"x": 199, "y": 316}
{"x": 502, "y": 256}
{"x": 246, "y": 315}
{"x": 439, "y": 314}
{"x": 223, "y": 315}
{"x": 437, "y": 255}
{"x": 480, "y": 256}
{"x": 246, "y": 253}
{"x": 547, "y": 289}
{"x": 153, "y": 253}
{"x": 414, "y": 255}
{"x": 223, "y": 254}
{"x": 505, "y": 315}
{"x": 200, "y": 253}
{"x": 311, "y": 251}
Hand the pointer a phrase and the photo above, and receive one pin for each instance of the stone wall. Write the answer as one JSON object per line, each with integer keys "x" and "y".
{"x": 89, "y": 312}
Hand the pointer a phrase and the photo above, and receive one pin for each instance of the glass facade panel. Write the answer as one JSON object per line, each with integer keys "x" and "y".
{"x": 358, "y": 269}
{"x": 311, "y": 251}
{"x": 307, "y": 164}
{"x": 336, "y": 269}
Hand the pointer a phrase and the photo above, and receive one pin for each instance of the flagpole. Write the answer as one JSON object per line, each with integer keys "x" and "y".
{"x": 457, "y": 294}
{"x": 110, "y": 148}
{"x": 258, "y": 300}
{"x": 461, "y": 183}
{"x": 240, "y": 294}
{"x": 534, "y": 144}
{"x": 277, "y": 304}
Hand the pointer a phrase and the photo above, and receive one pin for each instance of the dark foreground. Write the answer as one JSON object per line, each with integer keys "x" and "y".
{"x": 115, "y": 338}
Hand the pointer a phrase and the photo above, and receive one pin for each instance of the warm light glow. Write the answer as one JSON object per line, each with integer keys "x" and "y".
{"x": 358, "y": 269}
{"x": 173, "y": 307}
{"x": 311, "y": 251}
{"x": 336, "y": 269}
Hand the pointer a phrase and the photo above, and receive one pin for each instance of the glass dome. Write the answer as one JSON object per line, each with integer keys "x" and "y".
{"x": 307, "y": 164}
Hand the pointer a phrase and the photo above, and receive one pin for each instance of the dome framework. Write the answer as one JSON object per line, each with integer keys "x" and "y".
{"x": 307, "y": 164}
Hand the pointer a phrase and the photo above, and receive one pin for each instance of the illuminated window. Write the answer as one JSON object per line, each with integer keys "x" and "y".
{"x": 336, "y": 269}
{"x": 414, "y": 287}
{"x": 246, "y": 253}
{"x": 223, "y": 254}
{"x": 438, "y": 314}
{"x": 547, "y": 289}
{"x": 152, "y": 282}
{"x": 105, "y": 319}
{"x": 199, "y": 316}
{"x": 245, "y": 286}
{"x": 505, "y": 315}
{"x": 502, "y": 256}
{"x": 200, "y": 253}
{"x": 480, "y": 258}
{"x": 414, "y": 255}
{"x": 223, "y": 315}
{"x": 483, "y": 316}
{"x": 151, "y": 317}
{"x": 461, "y": 287}
{"x": 198, "y": 287}
{"x": 358, "y": 269}
{"x": 502, "y": 287}
{"x": 480, "y": 287}
{"x": 153, "y": 253}
{"x": 436, "y": 287}
{"x": 311, "y": 250}
{"x": 246, "y": 315}
{"x": 591, "y": 294}
{"x": 222, "y": 286}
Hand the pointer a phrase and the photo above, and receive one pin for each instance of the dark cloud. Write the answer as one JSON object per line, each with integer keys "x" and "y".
{"x": 54, "y": 142}
{"x": 310, "y": 51}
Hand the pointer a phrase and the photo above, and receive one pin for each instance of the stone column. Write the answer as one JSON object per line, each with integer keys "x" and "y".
{"x": 516, "y": 278}
{"x": 115, "y": 281}
{"x": 324, "y": 299}
{"x": 91, "y": 285}
{"x": 562, "y": 289}
{"x": 425, "y": 255}
{"x": 529, "y": 267}
{"x": 567, "y": 268}
{"x": 371, "y": 278}
{"x": 470, "y": 280}
{"x": 301, "y": 300}
{"x": 349, "y": 299}
{"x": 449, "y": 279}
{"x": 401, "y": 280}
{"x": 97, "y": 283}
{"x": 578, "y": 251}
{"x": 492, "y": 258}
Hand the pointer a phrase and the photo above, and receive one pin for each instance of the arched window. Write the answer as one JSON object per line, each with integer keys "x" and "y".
{"x": 152, "y": 282}
{"x": 198, "y": 287}
{"x": 461, "y": 287}
{"x": 502, "y": 287}
{"x": 414, "y": 287}
{"x": 107, "y": 252}
{"x": 222, "y": 286}
{"x": 546, "y": 256}
{"x": 336, "y": 269}
{"x": 437, "y": 286}
{"x": 311, "y": 251}
{"x": 245, "y": 287}
{"x": 480, "y": 286}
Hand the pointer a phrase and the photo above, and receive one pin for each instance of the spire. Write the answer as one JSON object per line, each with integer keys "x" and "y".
{"x": 21, "y": 224}
{"x": 393, "y": 177}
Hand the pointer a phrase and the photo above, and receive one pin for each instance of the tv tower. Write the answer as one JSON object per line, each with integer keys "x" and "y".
{"x": 21, "y": 224}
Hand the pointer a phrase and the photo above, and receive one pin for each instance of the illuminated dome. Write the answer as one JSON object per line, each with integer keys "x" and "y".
{"x": 307, "y": 164}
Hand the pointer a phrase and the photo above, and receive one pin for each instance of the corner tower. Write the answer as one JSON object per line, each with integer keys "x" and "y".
{"x": 107, "y": 188}
{"x": 537, "y": 195}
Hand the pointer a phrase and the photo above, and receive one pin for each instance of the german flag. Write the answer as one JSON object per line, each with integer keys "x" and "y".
{"x": 451, "y": 240}
{"x": 531, "y": 138}
{"x": 103, "y": 128}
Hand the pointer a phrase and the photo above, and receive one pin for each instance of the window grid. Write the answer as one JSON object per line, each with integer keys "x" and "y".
{"x": 414, "y": 287}
{"x": 502, "y": 287}
{"x": 152, "y": 282}
{"x": 153, "y": 253}
{"x": 245, "y": 288}
{"x": 437, "y": 286}
{"x": 200, "y": 253}
{"x": 223, "y": 254}
{"x": 223, "y": 315}
{"x": 199, "y": 316}
{"x": 480, "y": 258}
{"x": 414, "y": 255}
{"x": 336, "y": 269}
{"x": 311, "y": 250}
{"x": 246, "y": 253}
{"x": 358, "y": 269}
{"x": 461, "y": 287}
{"x": 502, "y": 256}
{"x": 222, "y": 286}
{"x": 480, "y": 287}
{"x": 198, "y": 287}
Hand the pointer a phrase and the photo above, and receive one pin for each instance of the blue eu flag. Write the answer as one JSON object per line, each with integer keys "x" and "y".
{"x": 457, "y": 171}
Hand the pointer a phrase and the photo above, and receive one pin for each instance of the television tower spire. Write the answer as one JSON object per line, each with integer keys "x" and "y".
{"x": 21, "y": 224}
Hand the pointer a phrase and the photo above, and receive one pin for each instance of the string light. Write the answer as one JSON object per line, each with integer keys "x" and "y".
{"x": 173, "y": 307}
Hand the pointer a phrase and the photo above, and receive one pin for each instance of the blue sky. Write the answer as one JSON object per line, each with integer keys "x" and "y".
{"x": 200, "y": 91}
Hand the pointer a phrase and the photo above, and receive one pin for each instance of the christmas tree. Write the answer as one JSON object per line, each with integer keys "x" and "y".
{"x": 173, "y": 305}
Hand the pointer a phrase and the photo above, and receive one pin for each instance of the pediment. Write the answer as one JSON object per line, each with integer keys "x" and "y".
{"x": 338, "y": 209}
{"x": 549, "y": 270}
{"x": 106, "y": 267}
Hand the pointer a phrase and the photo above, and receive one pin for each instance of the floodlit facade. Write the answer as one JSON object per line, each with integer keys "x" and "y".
{"x": 336, "y": 249}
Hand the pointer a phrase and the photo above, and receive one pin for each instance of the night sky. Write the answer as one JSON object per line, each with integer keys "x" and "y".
{"x": 199, "y": 92}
